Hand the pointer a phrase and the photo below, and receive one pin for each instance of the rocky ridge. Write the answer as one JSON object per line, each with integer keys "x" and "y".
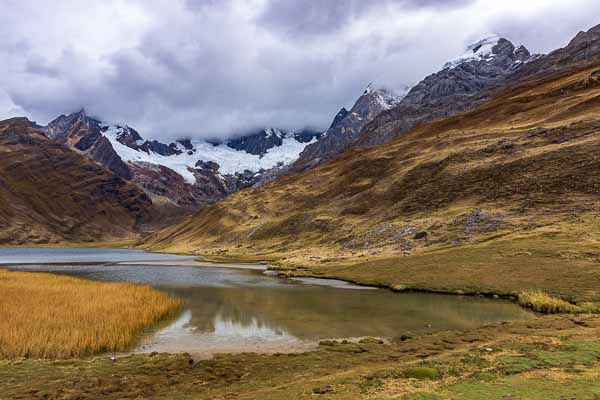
{"x": 468, "y": 81}
{"x": 49, "y": 193}
{"x": 182, "y": 172}
{"x": 346, "y": 126}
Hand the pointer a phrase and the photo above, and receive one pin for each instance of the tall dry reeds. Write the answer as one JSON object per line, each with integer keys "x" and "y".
{"x": 51, "y": 316}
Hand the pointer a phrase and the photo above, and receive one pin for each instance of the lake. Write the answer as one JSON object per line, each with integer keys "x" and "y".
{"x": 244, "y": 308}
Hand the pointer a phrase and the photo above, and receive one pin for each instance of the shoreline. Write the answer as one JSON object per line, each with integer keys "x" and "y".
{"x": 497, "y": 354}
{"x": 241, "y": 262}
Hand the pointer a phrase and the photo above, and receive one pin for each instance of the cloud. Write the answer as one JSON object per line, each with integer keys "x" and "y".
{"x": 296, "y": 18}
{"x": 212, "y": 69}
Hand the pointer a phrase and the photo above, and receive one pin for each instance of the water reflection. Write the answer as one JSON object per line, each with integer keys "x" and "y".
{"x": 227, "y": 335}
{"x": 230, "y": 310}
{"x": 313, "y": 312}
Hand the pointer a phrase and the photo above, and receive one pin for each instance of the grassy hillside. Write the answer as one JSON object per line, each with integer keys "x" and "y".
{"x": 49, "y": 193}
{"x": 501, "y": 199}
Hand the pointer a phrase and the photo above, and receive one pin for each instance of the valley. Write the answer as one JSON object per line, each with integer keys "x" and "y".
{"x": 475, "y": 196}
{"x": 437, "y": 241}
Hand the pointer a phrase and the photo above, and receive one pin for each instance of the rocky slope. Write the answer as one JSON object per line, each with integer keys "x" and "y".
{"x": 459, "y": 86}
{"x": 583, "y": 49}
{"x": 187, "y": 174}
{"x": 518, "y": 170}
{"x": 466, "y": 82}
{"x": 84, "y": 135}
{"x": 487, "y": 66}
{"x": 49, "y": 193}
{"x": 346, "y": 125}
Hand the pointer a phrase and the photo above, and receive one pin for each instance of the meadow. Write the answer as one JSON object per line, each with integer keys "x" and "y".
{"x": 52, "y": 316}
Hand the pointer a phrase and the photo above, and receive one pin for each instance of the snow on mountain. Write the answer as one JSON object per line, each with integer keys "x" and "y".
{"x": 480, "y": 50}
{"x": 463, "y": 84}
{"x": 230, "y": 160}
{"x": 386, "y": 98}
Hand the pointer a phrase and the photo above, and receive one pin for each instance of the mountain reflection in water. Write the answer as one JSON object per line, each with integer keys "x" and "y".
{"x": 235, "y": 310}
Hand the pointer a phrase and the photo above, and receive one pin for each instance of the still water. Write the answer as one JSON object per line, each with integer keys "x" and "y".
{"x": 245, "y": 309}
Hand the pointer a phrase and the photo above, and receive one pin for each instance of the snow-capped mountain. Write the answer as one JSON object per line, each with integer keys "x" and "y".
{"x": 188, "y": 173}
{"x": 462, "y": 84}
{"x": 481, "y": 50}
{"x": 248, "y": 153}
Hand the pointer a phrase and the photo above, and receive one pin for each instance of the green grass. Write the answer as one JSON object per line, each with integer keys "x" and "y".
{"x": 522, "y": 264}
{"x": 580, "y": 387}
{"x": 421, "y": 373}
{"x": 421, "y": 396}
{"x": 527, "y": 362}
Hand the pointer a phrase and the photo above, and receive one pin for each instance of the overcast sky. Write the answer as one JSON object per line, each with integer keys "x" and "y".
{"x": 216, "y": 68}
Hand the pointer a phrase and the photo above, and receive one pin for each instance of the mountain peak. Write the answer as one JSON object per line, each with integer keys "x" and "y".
{"x": 488, "y": 48}
{"x": 384, "y": 97}
{"x": 78, "y": 114}
{"x": 583, "y": 37}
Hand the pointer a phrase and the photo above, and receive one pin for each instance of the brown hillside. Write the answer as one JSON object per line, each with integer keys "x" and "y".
{"x": 49, "y": 193}
{"x": 523, "y": 166}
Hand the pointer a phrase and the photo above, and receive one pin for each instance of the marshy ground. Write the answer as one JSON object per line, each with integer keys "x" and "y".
{"x": 552, "y": 357}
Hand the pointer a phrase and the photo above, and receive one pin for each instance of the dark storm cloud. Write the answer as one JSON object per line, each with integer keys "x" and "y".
{"x": 318, "y": 17}
{"x": 206, "y": 68}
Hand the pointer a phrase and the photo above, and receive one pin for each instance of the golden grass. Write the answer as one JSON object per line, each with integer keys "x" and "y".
{"x": 544, "y": 303}
{"x": 431, "y": 178}
{"x": 50, "y": 316}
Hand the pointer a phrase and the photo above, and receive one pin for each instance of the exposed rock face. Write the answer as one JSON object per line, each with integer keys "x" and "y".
{"x": 165, "y": 185}
{"x": 187, "y": 145}
{"x": 131, "y": 138}
{"x": 59, "y": 128}
{"x": 49, "y": 193}
{"x": 307, "y": 135}
{"x": 162, "y": 183}
{"x": 345, "y": 128}
{"x": 461, "y": 85}
{"x": 157, "y": 147}
{"x": 259, "y": 143}
{"x": 465, "y": 85}
{"x": 103, "y": 153}
{"x": 582, "y": 50}
{"x": 116, "y": 147}
{"x": 84, "y": 134}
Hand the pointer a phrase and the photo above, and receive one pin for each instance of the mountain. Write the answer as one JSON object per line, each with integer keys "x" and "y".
{"x": 346, "y": 125}
{"x": 583, "y": 49}
{"x": 503, "y": 190}
{"x": 84, "y": 135}
{"x": 464, "y": 83}
{"x": 186, "y": 173}
{"x": 49, "y": 193}
{"x": 261, "y": 142}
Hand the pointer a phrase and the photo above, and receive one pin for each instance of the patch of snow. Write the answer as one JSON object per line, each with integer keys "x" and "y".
{"x": 389, "y": 99}
{"x": 480, "y": 50}
{"x": 270, "y": 132}
{"x": 229, "y": 159}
